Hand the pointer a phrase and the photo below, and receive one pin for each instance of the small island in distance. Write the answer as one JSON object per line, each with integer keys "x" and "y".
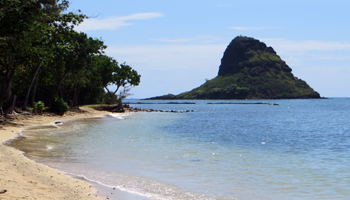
{"x": 250, "y": 70}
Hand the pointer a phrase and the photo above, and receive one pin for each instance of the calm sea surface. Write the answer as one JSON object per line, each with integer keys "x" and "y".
{"x": 298, "y": 149}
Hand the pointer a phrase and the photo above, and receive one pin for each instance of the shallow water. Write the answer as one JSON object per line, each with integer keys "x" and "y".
{"x": 299, "y": 149}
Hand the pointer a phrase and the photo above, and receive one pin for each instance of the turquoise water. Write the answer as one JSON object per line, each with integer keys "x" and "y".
{"x": 298, "y": 149}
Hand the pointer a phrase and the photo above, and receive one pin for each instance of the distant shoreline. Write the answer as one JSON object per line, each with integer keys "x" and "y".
{"x": 166, "y": 97}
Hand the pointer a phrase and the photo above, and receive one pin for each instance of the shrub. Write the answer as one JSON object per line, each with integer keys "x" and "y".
{"x": 59, "y": 106}
{"x": 39, "y": 107}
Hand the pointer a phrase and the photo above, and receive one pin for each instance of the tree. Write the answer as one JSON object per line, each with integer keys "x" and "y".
{"x": 123, "y": 94}
{"x": 21, "y": 22}
{"x": 38, "y": 40}
{"x": 56, "y": 33}
{"x": 121, "y": 77}
{"x": 81, "y": 62}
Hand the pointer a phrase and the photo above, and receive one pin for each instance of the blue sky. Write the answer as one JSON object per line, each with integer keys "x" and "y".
{"x": 176, "y": 45}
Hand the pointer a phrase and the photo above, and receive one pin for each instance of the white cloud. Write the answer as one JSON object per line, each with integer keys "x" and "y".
{"x": 307, "y": 45}
{"x": 242, "y": 28}
{"x": 167, "y": 57}
{"x": 207, "y": 56}
{"x": 297, "y": 53}
{"x": 335, "y": 57}
{"x": 175, "y": 68}
{"x": 113, "y": 23}
{"x": 171, "y": 68}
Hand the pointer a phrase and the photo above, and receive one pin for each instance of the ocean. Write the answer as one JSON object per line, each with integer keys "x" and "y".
{"x": 224, "y": 149}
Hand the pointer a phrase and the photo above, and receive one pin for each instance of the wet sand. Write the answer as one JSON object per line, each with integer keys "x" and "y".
{"x": 24, "y": 179}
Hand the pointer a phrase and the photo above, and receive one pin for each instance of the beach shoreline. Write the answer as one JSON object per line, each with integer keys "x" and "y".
{"x": 23, "y": 178}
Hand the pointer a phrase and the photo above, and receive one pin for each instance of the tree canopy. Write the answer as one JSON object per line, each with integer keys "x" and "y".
{"x": 42, "y": 56}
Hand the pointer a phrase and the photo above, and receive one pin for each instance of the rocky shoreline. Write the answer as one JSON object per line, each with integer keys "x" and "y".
{"x": 115, "y": 109}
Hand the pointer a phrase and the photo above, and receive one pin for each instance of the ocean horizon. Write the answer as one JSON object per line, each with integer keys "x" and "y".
{"x": 224, "y": 149}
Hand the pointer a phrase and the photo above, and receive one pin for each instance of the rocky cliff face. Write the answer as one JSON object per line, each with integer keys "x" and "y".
{"x": 249, "y": 52}
{"x": 249, "y": 69}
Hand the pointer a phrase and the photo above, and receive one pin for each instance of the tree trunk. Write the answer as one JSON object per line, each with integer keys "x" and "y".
{"x": 34, "y": 90}
{"x": 76, "y": 94}
{"x": 120, "y": 103}
{"x": 6, "y": 98}
{"x": 5, "y": 92}
{"x": 12, "y": 105}
{"x": 61, "y": 91}
{"x": 111, "y": 94}
{"x": 25, "y": 101}
{"x": 115, "y": 93}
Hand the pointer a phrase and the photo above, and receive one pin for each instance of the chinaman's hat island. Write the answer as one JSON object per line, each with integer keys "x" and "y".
{"x": 250, "y": 70}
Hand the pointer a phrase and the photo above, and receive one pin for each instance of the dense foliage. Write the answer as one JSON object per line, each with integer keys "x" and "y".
{"x": 59, "y": 106}
{"x": 41, "y": 56}
{"x": 249, "y": 69}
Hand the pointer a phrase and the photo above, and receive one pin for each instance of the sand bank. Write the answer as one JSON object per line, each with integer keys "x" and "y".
{"x": 25, "y": 179}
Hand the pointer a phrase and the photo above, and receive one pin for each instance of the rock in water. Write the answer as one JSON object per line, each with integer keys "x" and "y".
{"x": 251, "y": 70}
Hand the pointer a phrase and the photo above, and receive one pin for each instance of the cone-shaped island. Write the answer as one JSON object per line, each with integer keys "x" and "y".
{"x": 250, "y": 70}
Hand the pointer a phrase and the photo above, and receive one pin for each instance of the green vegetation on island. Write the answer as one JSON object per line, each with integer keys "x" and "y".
{"x": 250, "y": 70}
{"x": 43, "y": 59}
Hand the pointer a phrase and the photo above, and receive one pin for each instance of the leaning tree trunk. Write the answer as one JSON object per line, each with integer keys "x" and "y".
{"x": 112, "y": 96}
{"x": 115, "y": 92}
{"x": 76, "y": 94}
{"x": 34, "y": 91}
{"x": 25, "y": 101}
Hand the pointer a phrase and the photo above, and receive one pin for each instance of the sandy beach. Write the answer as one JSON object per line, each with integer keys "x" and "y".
{"x": 21, "y": 178}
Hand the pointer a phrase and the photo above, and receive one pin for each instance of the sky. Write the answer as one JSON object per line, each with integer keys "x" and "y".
{"x": 177, "y": 44}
